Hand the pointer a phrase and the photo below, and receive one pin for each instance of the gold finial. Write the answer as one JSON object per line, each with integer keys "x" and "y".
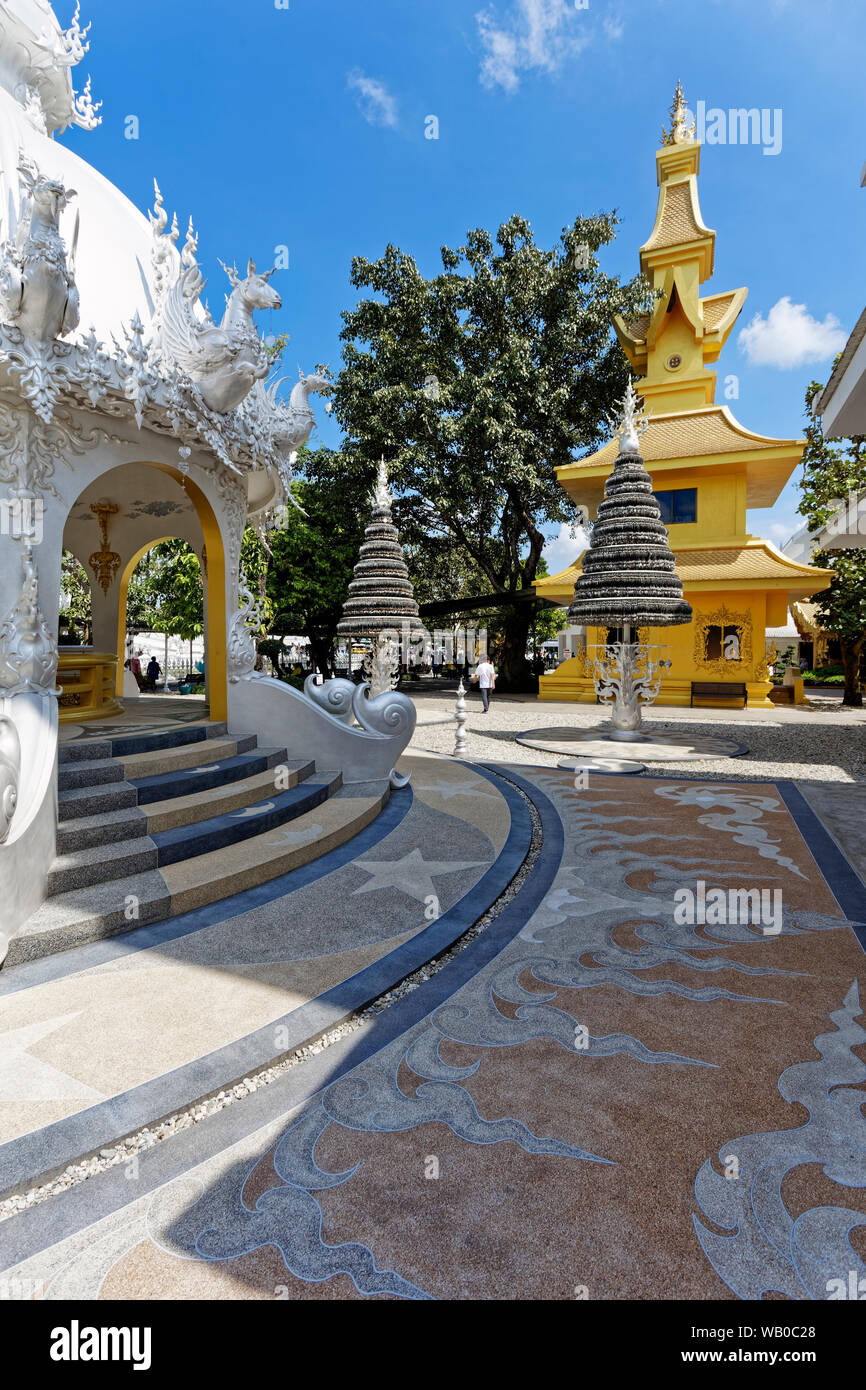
{"x": 680, "y": 130}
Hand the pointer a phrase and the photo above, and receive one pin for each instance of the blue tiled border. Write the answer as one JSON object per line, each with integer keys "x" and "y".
{"x": 844, "y": 883}
{"x": 52, "y": 1221}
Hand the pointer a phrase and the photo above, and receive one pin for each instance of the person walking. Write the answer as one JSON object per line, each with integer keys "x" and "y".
{"x": 486, "y": 678}
{"x": 154, "y": 670}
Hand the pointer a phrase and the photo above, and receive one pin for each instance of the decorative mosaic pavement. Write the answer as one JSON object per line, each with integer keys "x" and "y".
{"x": 635, "y": 1083}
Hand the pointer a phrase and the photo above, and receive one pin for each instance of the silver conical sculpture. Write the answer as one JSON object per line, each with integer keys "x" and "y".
{"x": 628, "y": 578}
{"x": 381, "y": 603}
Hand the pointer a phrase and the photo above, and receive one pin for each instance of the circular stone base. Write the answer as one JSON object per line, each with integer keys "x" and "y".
{"x": 613, "y": 767}
{"x": 652, "y": 748}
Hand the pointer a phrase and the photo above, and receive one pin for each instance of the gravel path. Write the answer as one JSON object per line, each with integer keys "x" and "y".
{"x": 825, "y": 743}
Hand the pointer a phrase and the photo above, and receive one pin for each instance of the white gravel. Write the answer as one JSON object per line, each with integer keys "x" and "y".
{"x": 824, "y": 743}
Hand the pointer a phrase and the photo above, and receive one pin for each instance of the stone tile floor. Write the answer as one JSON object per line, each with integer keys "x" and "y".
{"x": 611, "y": 1090}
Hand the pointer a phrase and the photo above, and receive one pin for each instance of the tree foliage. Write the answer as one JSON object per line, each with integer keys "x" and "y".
{"x": 833, "y": 469}
{"x": 166, "y": 593}
{"x": 314, "y": 550}
{"x": 76, "y": 607}
{"x": 476, "y": 384}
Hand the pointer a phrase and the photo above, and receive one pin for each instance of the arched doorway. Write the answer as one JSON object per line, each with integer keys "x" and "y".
{"x": 120, "y": 516}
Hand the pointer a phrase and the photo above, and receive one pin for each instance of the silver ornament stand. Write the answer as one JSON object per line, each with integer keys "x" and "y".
{"x": 627, "y": 678}
{"x": 460, "y": 716}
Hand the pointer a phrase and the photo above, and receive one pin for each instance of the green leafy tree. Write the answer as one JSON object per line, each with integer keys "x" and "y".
{"x": 314, "y": 551}
{"x": 76, "y": 611}
{"x": 166, "y": 592}
{"x": 832, "y": 469}
{"x": 476, "y": 385}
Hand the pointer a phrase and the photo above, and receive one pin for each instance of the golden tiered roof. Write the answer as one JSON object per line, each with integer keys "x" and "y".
{"x": 691, "y": 438}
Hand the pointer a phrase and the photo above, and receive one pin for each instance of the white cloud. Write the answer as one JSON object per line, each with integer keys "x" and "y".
{"x": 535, "y": 35}
{"x": 614, "y": 28}
{"x": 562, "y": 550}
{"x": 790, "y": 337}
{"x": 374, "y": 100}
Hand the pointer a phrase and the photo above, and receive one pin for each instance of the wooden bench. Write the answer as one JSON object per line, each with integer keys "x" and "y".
{"x": 719, "y": 690}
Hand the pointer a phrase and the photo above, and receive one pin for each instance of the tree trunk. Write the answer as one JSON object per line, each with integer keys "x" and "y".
{"x": 514, "y": 670}
{"x": 850, "y": 651}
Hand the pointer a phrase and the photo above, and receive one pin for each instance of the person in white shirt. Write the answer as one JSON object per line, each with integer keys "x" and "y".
{"x": 486, "y": 678}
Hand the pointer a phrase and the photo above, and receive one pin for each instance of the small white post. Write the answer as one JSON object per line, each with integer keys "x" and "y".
{"x": 460, "y": 716}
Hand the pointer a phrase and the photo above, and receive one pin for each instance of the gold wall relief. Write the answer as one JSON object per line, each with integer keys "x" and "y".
{"x": 723, "y": 641}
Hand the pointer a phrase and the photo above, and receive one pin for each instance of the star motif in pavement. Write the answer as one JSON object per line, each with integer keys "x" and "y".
{"x": 412, "y": 875}
{"x": 26, "y": 1078}
{"x": 447, "y": 789}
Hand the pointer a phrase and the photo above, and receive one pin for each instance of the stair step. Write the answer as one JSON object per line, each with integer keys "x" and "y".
{"x": 235, "y": 868}
{"x": 224, "y": 798}
{"x": 128, "y": 745}
{"x": 133, "y": 850}
{"x": 83, "y": 868}
{"x": 83, "y": 750}
{"x": 188, "y": 781}
{"x": 91, "y": 914}
{"x": 94, "y": 772}
{"x": 101, "y": 910}
{"x": 76, "y": 803}
{"x": 162, "y": 760}
{"x": 185, "y": 841}
{"x": 103, "y": 828}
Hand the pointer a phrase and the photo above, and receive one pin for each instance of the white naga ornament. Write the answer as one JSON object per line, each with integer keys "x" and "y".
{"x": 28, "y": 651}
{"x": 225, "y": 361}
{"x": 241, "y": 653}
{"x": 38, "y": 295}
{"x": 10, "y": 775}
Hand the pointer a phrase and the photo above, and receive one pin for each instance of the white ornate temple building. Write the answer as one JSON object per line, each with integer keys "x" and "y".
{"x": 127, "y": 416}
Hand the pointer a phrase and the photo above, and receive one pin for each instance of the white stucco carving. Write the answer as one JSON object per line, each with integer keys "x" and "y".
{"x": 28, "y": 650}
{"x": 223, "y": 361}
{"x": 241, "y": 648}
{"x": 39, "y": 56}
{"x": 10, "y": 773}
{"x": 38, "y": 295}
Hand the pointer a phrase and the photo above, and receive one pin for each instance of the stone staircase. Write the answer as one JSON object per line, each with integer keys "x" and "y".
{"x": 153, "y": 824}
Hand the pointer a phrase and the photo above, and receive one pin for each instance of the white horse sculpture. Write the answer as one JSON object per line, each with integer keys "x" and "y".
{"x": 37, "y": 287}
{"x": 295, "y": 421}
{"x": 223, "y": 361}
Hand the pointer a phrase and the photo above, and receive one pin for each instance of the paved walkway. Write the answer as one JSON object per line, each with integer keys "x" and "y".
{"x": 620, "y": 1088}
{"x": 821, "y": 745}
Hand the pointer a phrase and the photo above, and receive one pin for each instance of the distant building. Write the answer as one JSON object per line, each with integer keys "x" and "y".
{"x": 707, "y": 468}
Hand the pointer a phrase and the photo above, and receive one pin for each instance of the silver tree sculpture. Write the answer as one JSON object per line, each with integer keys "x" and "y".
{"x": 626, "y": 678}
{"x": 628, "y": 579}
{"x": 381, "y": 603}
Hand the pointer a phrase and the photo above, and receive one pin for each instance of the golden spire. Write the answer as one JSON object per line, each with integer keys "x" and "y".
{"x": 680, "y": 130}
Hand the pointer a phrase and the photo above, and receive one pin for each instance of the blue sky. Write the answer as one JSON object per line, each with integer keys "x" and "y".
{"x": 304, "y": 125}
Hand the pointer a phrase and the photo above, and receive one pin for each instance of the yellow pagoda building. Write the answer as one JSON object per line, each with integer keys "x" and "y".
{"x": 706, "y": 467}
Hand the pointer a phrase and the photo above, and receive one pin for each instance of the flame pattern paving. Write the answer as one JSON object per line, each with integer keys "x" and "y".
{"x": 542, "y": 1130}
